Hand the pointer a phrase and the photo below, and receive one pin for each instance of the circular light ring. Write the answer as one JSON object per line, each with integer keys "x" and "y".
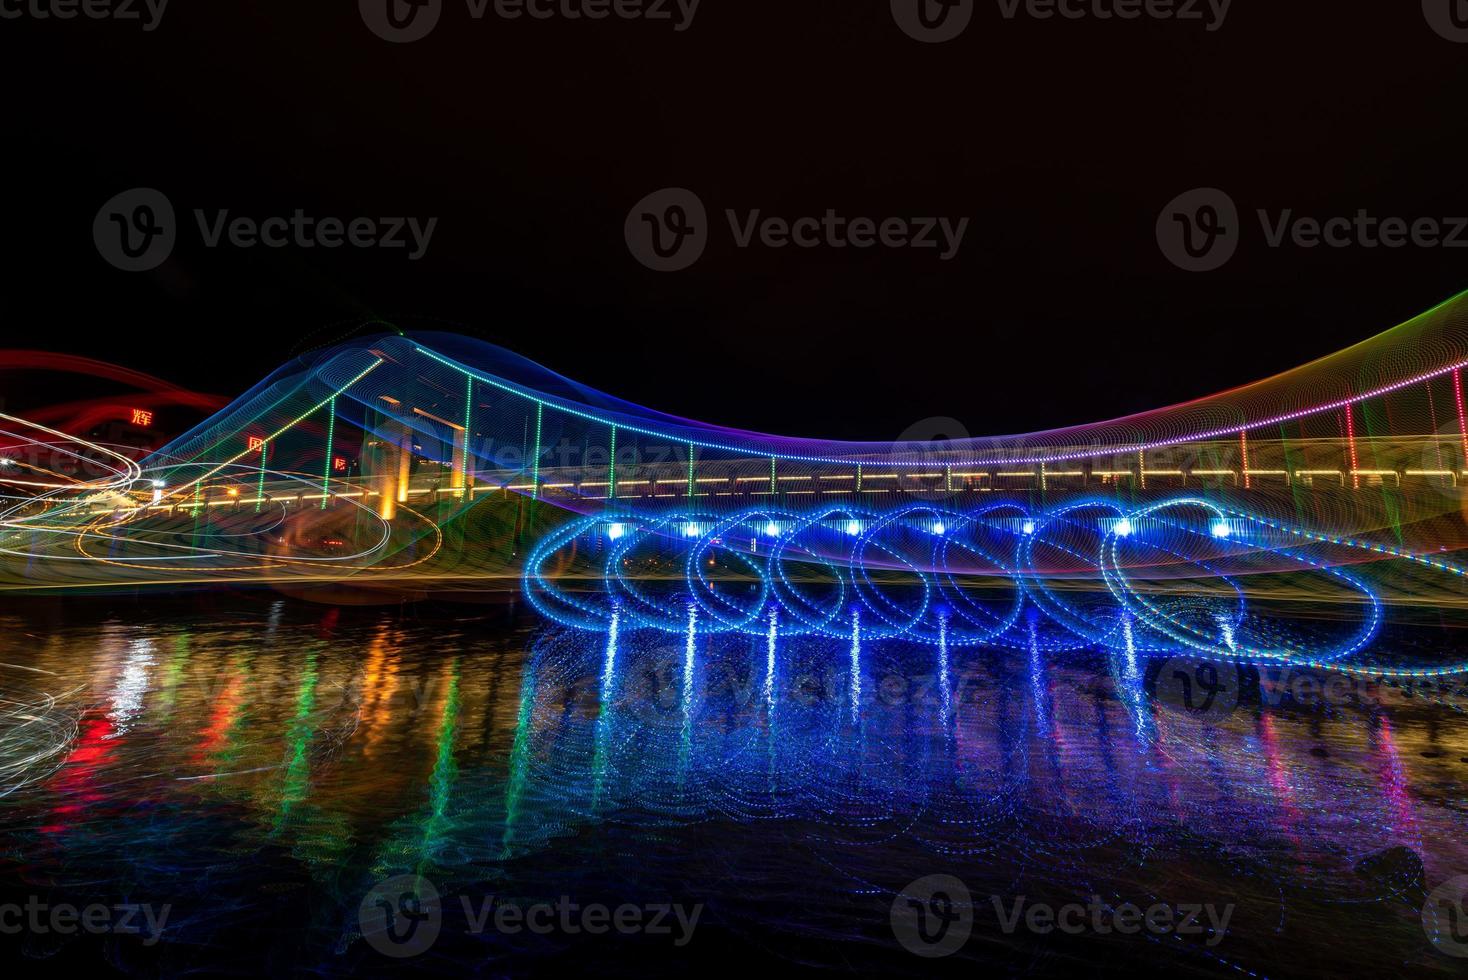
{"x": 668, "y": 615}
{"x": 751, "y": 617}
{"x": 1148, "y": 614}
{"x": 1134, "y": 639}
{"x": 1141, "y": 624}
{"x": 550, "y": 600}
{"x": 955, "y": 598}
{"x": 1196, "y": 640}
{"x": 1145, "y": 617}
{"x": 206, "y": 557}
{"x": 896, "y": 622}
{"x": 1311, "y": 537}
{"x": 809, "y": 616}
{"x": 1063, "y": 613}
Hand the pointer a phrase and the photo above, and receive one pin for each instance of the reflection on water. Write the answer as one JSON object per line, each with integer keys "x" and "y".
{"x": 262, "y": 767}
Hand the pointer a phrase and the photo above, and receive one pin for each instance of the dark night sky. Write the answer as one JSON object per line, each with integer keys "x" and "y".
{"x": 530, "y": 141}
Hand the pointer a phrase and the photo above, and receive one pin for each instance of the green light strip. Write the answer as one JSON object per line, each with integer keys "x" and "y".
{"x": 260, "y": 493}
{"x": 539, "y": 417}
{"x": 1030, "y": 460}
{"x": 298, "y": 771}
{"x": 468, "y": 428}
{"x": 330, "y": 438}
{"x": 595, "y": 418}
{"x": 294, "y": 422}
{"x": 774, "y": 487}
{"x": 690, "y": 471}
{"x": 612, "y": 470}
{"x": 445, "y": 769}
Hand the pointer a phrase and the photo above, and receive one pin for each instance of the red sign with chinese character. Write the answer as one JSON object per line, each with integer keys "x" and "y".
{"x": 142, "y": 417}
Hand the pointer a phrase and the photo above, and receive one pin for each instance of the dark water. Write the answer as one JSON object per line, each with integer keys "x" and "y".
{"x": 256, "y": 767}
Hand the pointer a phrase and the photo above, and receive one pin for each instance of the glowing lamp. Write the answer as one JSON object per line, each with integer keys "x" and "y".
{"x": 690, "y": 530}
{"x": 615, "y": 531}
{"x": 1029, "y": 527}
{"x": 1221, "y": 530}
{"x": 1124, "y": 528}
{"x": 940, "y": 529}
{"x": 772, "y": 529}
{"x": 853, "y": 527}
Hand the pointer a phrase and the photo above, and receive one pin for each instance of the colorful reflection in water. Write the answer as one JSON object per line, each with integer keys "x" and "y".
{"x": 260, "y": 767}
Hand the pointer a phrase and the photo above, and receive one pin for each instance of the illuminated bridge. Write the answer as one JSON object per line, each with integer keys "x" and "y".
{"x": 437, "y": 462}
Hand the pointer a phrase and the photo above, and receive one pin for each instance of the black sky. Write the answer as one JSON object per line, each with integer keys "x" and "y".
{"x": 1061, "y": 141}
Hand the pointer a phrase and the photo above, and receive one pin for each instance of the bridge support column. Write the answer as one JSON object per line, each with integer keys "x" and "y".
{"x": 405, "y": 464}
{"x": 386, "y": 486}
{"x": 386, "y": 460}
{"x": 460, "y": 480}
{"x": 395, "y": 468}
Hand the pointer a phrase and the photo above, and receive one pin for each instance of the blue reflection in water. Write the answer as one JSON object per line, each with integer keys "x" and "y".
{"x": 565, "y": 761}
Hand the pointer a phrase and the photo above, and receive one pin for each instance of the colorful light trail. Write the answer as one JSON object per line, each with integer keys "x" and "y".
{"x": 1245, "y": 527}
